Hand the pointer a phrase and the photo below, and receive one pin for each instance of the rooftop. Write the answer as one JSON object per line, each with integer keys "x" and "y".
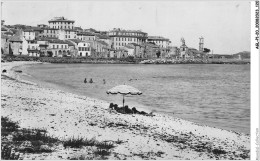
{"x": 78, "y": 28}
{"x": 102, "y": 42}
{"x": 15, "y": 39}
{"x": 151, "y": 45}
{"x": 134, "y": 44}
{"x": 4, "y": 36}
{"x": 86, "y": 34}
{"x": 69, "y": 43}
{"x": 3, "y": 29}
{"x": 76, "y": 40}
{"x": 123, "y": 30}
{"x": 157, "y": 38}
{"x": 129, "y": 47}
{"x": 48, "y": 28}
{"x": 100, "y": 36}
{"x": 91, "y": 30}
{"x": 57, "y": 41}
{"x": 45, "y": 38}
{"x": 60, "y": 19}
{"x": 28, "y": 30}
{"x": 8, "y": 33}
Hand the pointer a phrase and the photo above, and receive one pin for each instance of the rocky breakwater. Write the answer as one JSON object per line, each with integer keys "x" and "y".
{"x": 174, "y": 61}
{"x": 134, "y": 135}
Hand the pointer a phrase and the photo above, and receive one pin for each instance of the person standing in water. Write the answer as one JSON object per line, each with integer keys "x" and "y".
{"x": 90, "y": 81}
{"x": 85, "y": 81}
{"x": 104, "y": 81}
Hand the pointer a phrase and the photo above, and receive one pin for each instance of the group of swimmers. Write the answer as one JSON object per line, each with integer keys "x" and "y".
{"x": 91, "y": 81}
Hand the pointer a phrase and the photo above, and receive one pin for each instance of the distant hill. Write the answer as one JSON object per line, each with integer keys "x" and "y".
{"x": 244, "y": 55}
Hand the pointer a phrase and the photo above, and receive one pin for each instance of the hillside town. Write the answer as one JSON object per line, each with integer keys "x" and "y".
{"x": 61, "y": 38}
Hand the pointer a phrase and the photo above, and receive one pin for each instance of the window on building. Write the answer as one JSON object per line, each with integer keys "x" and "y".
{"x": 62, "y": 46}
{"x": 65, "y": 36}
{"x": 57, "y": 46}
{"x": 84, "y": 44}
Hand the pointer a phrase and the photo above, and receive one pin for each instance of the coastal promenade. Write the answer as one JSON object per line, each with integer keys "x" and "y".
{"x": 66, "y": 115}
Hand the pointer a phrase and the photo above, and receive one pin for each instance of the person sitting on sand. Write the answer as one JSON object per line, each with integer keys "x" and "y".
{"x": 116, "y": 107}
{"x": 128, "y": 110}
{"x": 91, "y": 81}
{"x": 85, "y": 81}
{"x": 135, "y": 110}
{"x": 143, "y": 113}
{"x": 111, "y": 106}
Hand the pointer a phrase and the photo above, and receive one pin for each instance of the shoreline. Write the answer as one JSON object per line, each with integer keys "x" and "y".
{"x": 165, "y": 61}
{"x": 35, "y": 107}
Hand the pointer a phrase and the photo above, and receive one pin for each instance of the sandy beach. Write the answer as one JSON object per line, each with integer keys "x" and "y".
{"x": 66, "y": 115}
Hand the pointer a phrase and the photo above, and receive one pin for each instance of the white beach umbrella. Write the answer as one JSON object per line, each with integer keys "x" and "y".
{"x": 124, "y": 90}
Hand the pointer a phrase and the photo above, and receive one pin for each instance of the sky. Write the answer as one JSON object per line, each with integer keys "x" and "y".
{"x": 225, "y": 25}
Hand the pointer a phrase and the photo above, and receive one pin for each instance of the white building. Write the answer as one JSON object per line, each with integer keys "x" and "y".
{"x": 84, "y": 49}
{"x": 70, "y": 34}
{"x": 86, "y": 36}
{"x": 61, "y": 23}
{"x": 121, "y": 37}
{"x": 51, "y": 32}
{"x": 160, "y": 41}
{"x": 58, "y": 48}
{"x": 29, "y": 34}
{"x": 33, "y": 50}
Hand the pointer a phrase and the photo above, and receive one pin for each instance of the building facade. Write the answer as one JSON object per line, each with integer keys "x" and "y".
{"x": 15, "y": 45}
{"x": 100, "y": 48}
{"x": 43, "y": 45}
{"x": 84, "y": 49}
{"x": 51, "y": 32}
{"x": 4, "y": 44}
{"x": 29, "y": 34}
{"x": 61, "y": 23}
{"x": 160, "y": 41}
{"x": 58, "y": 48}
{"x": 86, "y": 36}
{"x": 33, "y": 50}
{"x": 120, "y": 37}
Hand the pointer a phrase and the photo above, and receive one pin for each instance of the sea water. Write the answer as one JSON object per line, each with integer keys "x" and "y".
{"x": 208, "y": 94}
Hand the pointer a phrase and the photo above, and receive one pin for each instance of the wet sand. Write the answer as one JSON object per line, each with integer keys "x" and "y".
{"x": 143, "y": 137}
